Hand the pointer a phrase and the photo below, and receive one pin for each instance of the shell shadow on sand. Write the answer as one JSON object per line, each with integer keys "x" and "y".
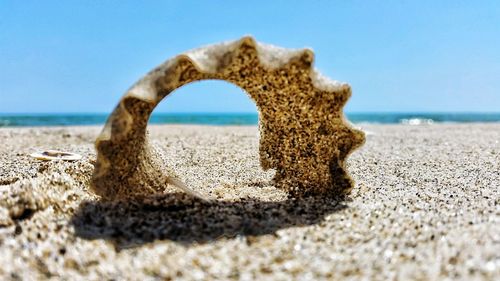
{"x": 181, "y": 218}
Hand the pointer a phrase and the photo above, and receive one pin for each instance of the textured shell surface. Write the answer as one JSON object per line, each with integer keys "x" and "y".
{"x": 303, "y": 133}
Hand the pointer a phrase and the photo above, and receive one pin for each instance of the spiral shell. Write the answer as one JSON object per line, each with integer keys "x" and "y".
{"x": 303, "y": 133}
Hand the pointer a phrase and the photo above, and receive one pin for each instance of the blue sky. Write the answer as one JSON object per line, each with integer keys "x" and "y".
{"x": 398, "y": 56}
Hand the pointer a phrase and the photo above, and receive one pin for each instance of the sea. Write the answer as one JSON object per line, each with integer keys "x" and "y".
{"x": 223, "y": 119}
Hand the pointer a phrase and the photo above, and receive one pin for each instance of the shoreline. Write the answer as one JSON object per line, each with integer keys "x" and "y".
{"x": 180, "y": 126}
{"x": 249, "y": 118}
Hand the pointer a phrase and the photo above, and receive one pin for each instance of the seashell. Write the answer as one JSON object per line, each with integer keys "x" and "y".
{"x": 303, "y": 132}
{"x": 56, "y": 155}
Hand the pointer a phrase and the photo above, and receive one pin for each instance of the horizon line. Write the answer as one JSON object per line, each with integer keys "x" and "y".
{"x": 253, "y": 112}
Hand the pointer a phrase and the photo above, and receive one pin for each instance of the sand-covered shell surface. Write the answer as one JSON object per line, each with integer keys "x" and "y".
{"x": 303, "y": 133}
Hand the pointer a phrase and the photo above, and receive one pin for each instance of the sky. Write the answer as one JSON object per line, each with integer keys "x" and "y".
{"x": 398, "y": 56}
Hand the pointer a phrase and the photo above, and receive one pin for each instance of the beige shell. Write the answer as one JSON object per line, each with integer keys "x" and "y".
{"x": 49, "y": 155}
{"x": 303, "y": 133}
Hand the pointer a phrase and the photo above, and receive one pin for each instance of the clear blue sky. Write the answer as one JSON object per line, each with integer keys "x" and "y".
{"x": 81, "y": 56}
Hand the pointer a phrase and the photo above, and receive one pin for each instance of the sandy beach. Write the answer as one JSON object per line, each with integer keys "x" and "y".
{"x": 425, "y": 207}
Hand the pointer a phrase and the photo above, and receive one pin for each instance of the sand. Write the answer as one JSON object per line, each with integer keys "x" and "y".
{"x": 425, "y": 207}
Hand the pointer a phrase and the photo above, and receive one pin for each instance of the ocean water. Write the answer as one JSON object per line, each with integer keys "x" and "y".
{"x": 23, "y": 120}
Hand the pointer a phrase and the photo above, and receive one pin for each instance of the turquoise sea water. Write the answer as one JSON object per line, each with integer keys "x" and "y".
{"x": 23, "y": 120}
